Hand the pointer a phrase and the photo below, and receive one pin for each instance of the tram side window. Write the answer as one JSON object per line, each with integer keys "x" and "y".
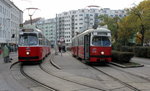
{"x": 46, "y": 42}
{"x": 76, "y": 42}
{"x": 40, "y": 42}
{"x": 43, "y": 41}
{"x": 72, "y": 42}
{"x": 80, "y": 41}
{"x": 40, "y": 39}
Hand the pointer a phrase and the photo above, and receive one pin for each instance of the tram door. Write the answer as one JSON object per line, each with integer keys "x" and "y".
{"x": 86, "y": 47}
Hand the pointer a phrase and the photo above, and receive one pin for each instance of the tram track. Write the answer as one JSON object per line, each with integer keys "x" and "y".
{"x": 144, "y": 78}
{"x": 116, "y": 79}
{"x": 13, "y": 64}
{"x": 26, "y": 75}
{"x": 59, "y": 68}
{"x": 120, "y": 81}
{"x": 31, "y": 78}
{"x": 51, "y": 61}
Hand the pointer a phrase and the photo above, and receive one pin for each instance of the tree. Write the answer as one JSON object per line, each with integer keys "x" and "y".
{"x": 142, "y": 16}
{"x": 112, "y": 23}
{"x": 147, "y": 38}
{"x": 127, "y": 29}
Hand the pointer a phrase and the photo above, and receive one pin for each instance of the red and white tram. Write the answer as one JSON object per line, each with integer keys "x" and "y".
{"x": 93, "y": 45}
{"x": 33, "y": 46}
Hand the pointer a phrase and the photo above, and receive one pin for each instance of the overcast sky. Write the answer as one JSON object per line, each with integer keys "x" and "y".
{"x": 49, "y": 8}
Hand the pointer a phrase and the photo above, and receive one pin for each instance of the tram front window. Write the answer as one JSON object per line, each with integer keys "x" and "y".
{"x": 28, "y": 39}
{"x": 101, "y": 41}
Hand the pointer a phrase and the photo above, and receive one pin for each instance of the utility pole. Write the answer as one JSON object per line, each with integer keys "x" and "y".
{"x": 56, "y": 53}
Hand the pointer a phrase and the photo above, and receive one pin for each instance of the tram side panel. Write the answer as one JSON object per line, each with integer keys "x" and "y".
{"x": 74, "y": 50}
{"x": 81, "y": 51}
{"x": 47, "y": 50}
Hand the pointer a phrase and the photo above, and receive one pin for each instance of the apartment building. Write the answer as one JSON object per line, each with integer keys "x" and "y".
{"x": 74, "y": 21}
{"x": 10, "y": 19}
{"x": 48, "y": 28}
{"x": 66, "y": 25}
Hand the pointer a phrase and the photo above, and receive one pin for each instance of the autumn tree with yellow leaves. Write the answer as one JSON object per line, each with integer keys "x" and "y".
{"x": 140, "y": 19}
{"x": 136, "y": 21}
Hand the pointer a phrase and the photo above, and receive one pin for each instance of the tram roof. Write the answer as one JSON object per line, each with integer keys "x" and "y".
{"x": 95, "y": 30}
{"x": 31, "y": 29}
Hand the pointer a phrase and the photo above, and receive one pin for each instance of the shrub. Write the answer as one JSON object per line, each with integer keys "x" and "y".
{"x": 141, "y": 51}
{"x": 126, "y": 49}
{"x": 121, "y": 57}
{"x": 116, "y": 46}
{"x": 148, "y": 52}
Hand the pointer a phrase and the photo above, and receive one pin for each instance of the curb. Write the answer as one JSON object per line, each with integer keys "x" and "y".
{"x": 123, "y": 66}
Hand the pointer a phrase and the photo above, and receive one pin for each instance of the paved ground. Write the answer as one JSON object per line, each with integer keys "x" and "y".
{"x": 7, "y": 82}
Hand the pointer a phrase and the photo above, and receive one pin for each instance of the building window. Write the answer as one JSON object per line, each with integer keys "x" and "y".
{"x": 81, "y": 19}
{"x": 80, "y": 27}
{"x": 81, "y": 15}
{"x": 81, "y": 23}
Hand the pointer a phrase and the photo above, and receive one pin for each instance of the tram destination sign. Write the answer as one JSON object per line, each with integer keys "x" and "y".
{"x": 100, "y": 33}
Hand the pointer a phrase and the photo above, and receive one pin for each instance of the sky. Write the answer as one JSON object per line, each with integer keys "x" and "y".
{"x": 49, "y": 8}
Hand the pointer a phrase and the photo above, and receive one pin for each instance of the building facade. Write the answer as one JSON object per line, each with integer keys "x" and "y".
{"x": 74, "y": 21}
{"x": 66, "y": 25}
{"x": 48, "y": 28}
{"x": 10, "y": 19}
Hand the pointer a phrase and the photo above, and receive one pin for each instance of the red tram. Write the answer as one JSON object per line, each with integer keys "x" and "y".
{"x": 33, "y": 46}
{"x": 93, "y": 45}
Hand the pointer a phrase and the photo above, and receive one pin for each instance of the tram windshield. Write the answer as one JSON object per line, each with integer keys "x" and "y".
{"x": 28, "y": 39}
{"x": 101, "y": 41}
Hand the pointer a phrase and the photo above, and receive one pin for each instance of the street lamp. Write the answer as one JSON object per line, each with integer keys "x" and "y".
{"x": 31, "y": 12}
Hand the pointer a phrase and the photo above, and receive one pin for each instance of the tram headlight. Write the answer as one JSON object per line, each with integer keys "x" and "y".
{"x": 102, "y": 53}
{"x": 27, "y": 53}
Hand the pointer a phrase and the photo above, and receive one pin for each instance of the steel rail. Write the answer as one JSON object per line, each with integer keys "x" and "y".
{"x": 124, "y": 83}
{"x": 57, "y": 67}
{"x": 144, "y": 78}
{"x": 42, "y": 84}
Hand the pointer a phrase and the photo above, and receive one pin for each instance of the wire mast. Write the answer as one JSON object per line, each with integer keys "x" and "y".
{"x": 31, "y": 12}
